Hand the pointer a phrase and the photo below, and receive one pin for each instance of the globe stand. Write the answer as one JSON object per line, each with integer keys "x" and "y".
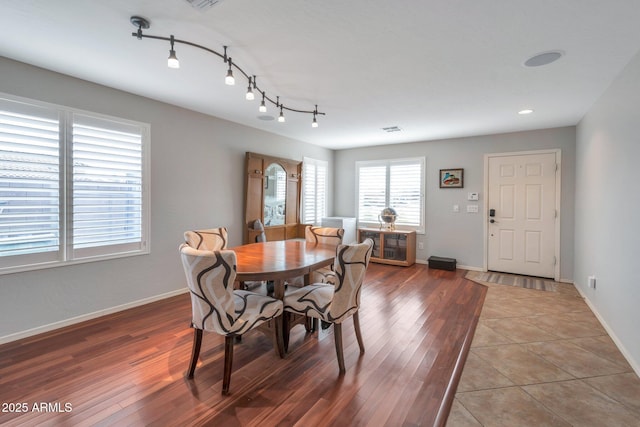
{"x": 387, "y": 222}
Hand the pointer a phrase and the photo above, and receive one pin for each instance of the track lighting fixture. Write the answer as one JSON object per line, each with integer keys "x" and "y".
{"x": 281, "y": 116}
{"x": 250, "y": 96}
{"x": 229, "y": 79}
{"x": 263, "y": 106}
{"x": 142, "y": 23}
{"x": 173, "y": 62}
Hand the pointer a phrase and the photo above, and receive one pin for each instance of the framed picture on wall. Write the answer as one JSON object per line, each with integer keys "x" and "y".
{"x": 451, "y": 178}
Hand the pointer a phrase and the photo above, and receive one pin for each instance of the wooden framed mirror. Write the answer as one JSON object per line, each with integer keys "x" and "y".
{"x": 272, "y": 195}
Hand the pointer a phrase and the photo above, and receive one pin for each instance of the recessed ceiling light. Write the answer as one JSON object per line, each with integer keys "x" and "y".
{"x": 543, "y": 58}
{"x": 525, "y": 111}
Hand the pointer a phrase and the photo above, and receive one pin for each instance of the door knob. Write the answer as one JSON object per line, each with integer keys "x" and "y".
{"x": 492, "y": 221}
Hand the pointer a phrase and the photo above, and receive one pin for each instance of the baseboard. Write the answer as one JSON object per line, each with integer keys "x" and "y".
{"x": 634, "y": 365}
{"x": 461, "y": 267}
{"x": 469, "y": 267}
{"x": 89, "y": 316}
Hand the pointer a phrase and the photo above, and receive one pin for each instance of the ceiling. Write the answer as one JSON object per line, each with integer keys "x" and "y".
{"x": 434, "y": 68}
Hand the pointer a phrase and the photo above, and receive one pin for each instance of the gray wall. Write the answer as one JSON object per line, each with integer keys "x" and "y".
{"x": 607, "y": 209}
{"x": 460, "y": 235}
{"x": 197, "y": 181}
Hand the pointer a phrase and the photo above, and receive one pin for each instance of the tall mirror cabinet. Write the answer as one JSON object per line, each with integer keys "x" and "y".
{"x": 272, "y": 195}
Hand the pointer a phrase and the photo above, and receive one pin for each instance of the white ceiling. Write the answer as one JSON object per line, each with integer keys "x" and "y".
{"x": 434, "y": 68}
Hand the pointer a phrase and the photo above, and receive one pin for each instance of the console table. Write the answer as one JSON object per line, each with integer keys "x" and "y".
{"x": 395, "y": 247}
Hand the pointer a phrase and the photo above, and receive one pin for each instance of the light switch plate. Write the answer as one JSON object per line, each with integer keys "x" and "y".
{"x": 472, "y": 208}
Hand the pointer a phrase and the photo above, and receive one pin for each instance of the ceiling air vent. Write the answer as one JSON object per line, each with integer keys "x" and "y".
{"x": 392, "y": 129}
{"x": 203, "y": 5}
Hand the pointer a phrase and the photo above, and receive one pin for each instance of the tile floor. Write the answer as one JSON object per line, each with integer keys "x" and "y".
{"x": 541, "y": 358}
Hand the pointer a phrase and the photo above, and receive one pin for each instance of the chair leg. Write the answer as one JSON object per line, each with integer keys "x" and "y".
{"x": 195, "y": 351}
{"x": 356, "y": 326}
{"x": 281, "y": 331}
{"x": 337, "y": 334}
{"x": 228, "y": 362}
{"x": 309, "y": 323}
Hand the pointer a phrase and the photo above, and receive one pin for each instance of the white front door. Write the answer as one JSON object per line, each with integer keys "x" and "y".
{"x": 522, "y": 214}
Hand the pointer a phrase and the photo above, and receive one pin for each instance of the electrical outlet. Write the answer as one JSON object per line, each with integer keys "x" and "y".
{"x": 420, "y": 245}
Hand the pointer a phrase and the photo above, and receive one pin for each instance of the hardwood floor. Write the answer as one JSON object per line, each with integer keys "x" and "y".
{"x": 128, "y": 368}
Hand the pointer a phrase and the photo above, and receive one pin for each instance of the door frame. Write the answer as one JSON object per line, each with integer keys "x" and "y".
{"x": 558, "y": 154}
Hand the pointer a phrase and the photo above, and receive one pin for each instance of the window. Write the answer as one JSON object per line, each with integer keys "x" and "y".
{"x": 314, "y": 191}
{"x": 398, "y": 184}
{"x": 72, "y": 186}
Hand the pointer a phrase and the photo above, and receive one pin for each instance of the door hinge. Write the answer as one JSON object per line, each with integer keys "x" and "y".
{"x": 555, "y": 260}
{"x": 557, "y": 167}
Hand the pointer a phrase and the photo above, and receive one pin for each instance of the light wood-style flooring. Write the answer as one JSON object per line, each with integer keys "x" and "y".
{"x": 128, "y": 368}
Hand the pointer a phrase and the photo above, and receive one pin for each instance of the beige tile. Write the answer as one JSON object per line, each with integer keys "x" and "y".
{"x": 521, "y": 366}
{"x": 559, "y": 305}
{"x": 562, "y": 327}
{"x": 582, "y": 405}
{"x": 603, "y": 346}
{"x": 460, "y": 417}
{"x": 625, "y": 388}
{"x": 577, "y": 361}
{"x": 498, "y": 310}
{"x": 567, "y": 289}
{"x": 485, "y": 336}
{"x": 479, "y": 375}
{"x": 508, "y": 407}
{"x": 586, "y": 318}
{"x": 540, "y": 341}
{"x": 518, "y": 330}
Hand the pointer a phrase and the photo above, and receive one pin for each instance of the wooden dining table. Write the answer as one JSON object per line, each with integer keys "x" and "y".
{"x": 278, "y": 261}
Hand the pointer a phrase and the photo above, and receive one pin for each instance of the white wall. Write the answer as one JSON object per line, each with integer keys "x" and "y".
{"x": 608, "y": 209}
{"x": 460, "y": 235}
{"x": 197, "y": 181}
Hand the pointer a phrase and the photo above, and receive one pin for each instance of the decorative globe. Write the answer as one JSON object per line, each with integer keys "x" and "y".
{"x": 389, "y": 216}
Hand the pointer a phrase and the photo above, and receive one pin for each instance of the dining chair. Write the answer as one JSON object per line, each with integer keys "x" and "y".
{"x": 259, "y": 228}
{"x": 326, "y": 236}
{"x": 217, "y": 307}
{"x": 211, "y": 239}
{"x": 334, "y": 303}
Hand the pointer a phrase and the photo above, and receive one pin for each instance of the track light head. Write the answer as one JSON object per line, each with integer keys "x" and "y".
{"x": 229, "y": 79}
{"x": 263, "y": 107}
{"x": 249, "y": 95}
{"x": 172, "y": 61}
{"x": 281, "y": 116}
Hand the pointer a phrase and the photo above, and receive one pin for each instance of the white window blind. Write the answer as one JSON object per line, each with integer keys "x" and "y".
{"x": 107, "y": 184}
{"x": 314, "y": 195}
{"x": 96, "y": 208}
{"x": 398, "y": 184}
{"x": 29, "y": 182}
{"x": 372, "y": 194}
